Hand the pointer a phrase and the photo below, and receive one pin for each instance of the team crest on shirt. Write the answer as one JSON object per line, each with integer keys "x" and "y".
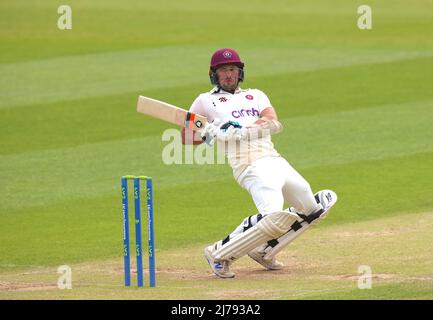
{"x": 222, "y": 99}
{"x": 249, "y": 97}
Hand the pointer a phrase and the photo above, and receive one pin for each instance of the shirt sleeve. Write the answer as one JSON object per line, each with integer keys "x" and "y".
{"x": 198, "y": 106}
{"x": 263, "y": 101}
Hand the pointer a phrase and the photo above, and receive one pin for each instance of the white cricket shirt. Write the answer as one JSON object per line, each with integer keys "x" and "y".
{"x": 244, "y": 107}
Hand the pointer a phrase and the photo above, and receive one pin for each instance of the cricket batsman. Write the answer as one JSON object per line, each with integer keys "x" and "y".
{"x": 243, "y": 121}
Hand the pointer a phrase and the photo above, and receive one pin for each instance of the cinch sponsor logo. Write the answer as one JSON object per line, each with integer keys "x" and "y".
{"x": 245, "y": 113}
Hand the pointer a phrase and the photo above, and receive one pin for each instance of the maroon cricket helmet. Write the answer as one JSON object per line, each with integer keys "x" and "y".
{"x": 222, "y": 57}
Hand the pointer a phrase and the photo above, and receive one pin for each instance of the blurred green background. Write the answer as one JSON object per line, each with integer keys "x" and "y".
{"x": 356, "y": 105}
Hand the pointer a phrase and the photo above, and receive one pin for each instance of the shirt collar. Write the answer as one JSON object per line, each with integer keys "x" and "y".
{"x": 220, "y": 90}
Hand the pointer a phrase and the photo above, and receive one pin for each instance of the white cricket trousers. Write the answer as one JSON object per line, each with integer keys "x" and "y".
{"x": 272, "y": 183}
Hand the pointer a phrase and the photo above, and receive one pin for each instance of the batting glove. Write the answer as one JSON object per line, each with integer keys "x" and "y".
{"x": 232, "y": 130}
{"x": 210, "y": 131}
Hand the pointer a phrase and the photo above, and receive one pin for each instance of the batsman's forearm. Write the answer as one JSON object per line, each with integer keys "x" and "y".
{"x": 263, "y": 127}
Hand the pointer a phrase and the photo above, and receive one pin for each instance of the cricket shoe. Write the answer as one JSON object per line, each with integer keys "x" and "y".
{"x": 270, "y": 264}
{"x": 220, "y": 268}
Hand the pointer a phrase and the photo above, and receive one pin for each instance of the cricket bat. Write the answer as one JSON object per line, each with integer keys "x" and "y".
{"x": 170, "y": 113}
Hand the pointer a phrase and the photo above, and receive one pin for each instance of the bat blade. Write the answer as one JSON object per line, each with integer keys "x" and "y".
{"x": 170, "y": 113}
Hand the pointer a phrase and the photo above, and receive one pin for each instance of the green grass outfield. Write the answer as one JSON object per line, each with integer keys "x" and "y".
{"x": 356, "y": 105}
